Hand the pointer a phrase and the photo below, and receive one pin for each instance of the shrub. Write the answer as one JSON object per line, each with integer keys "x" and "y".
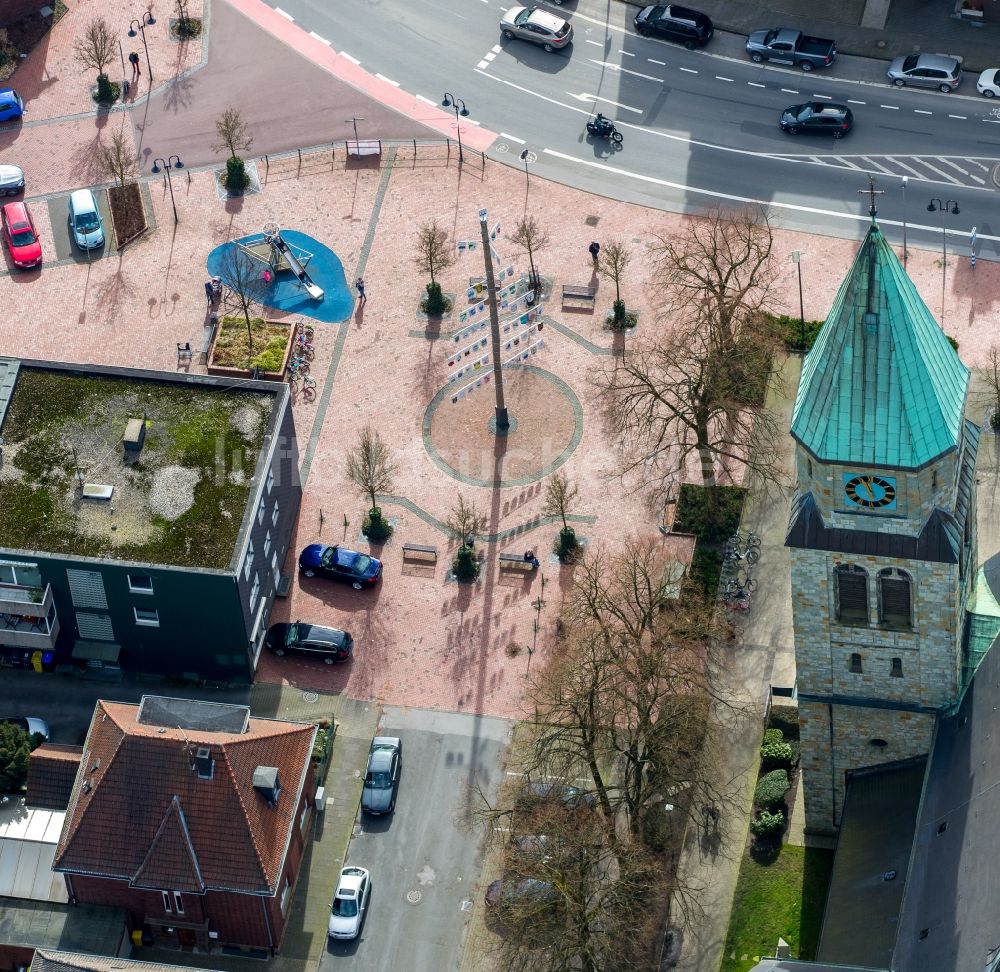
{"x": 15, "y": 745}
{"x": 376, "y": 528}
{"x": 775, "y": 754}
{"x": 706, "y": 568}
{"x": 771, "y": 789}
{"x": 236, "y": 174}
{"x": 105, "y": 90}
{"x": 767, "y": 824}
{"x": 270, "y": 357}
{"x": 773, "y": 736}
{"x": 566, "y": 545}
{"x": 435, "y": 302}
{"x": 620, "y": 319}
{"x": 785, "y": 718}
{"x": 465, "y": 566}
{"x": 709, "y": 519}
{"x": 789, "y": 330}
{"x": 952, "y": 341}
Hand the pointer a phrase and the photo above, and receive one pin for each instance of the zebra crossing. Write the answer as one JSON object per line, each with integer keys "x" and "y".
{"x": 949, "y": 170}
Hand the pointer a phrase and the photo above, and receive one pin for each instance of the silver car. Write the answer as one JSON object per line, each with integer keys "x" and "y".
{"x": 538, "y": 26}
{"x": 11, "y": 180}
{"x": 926, "y": 71}
{"x": 85, "y": 222}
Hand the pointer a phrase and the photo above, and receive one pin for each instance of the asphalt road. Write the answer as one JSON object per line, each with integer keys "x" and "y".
{"x": 699, "y": 126}
{"x": 425, "y": 858}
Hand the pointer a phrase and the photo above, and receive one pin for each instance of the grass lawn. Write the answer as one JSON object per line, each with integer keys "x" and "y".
{"x": 782, "y": 897}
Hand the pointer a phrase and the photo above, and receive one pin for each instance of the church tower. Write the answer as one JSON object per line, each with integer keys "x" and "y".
{"x": 882, "y": 531}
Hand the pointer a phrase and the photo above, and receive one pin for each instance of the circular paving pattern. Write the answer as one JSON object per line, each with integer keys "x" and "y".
{"x": 546, "y": 426}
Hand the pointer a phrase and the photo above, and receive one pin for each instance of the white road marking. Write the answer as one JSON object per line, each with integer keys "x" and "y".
{"x": 789, "y": 91}
{"x": 689, "y": 70}
{"x": 635, "y": 74}
{"x": 920, "y": 111}
{"x": 382, "y": 77}
{"x": 353, "y": 60}
{"x": 483, "y": 65}
{"x": 824, "y": 97}
{"x": 512, "y": 138}
{"x": 427, "y": 101}
{"x": 593, "y": 99}
{"x": 960, "y": 117}
{"x": 322, "y": 40}
{"x": 719, "y": 77}
{"x": 284, "y": 14}
{"x": 942, "y": 173}
{"x": 595, "y": 43}
{"x": 652, "y": 60}
{"x": 754, "y": 84}
{"x": 890, "y": 107}
{"x": 848, "y": 162}
{"x": 851, "y": 101}
{"x": 626, "y": 54}
{"x": 915, "y": 172}
{"x": 875, "y": 165}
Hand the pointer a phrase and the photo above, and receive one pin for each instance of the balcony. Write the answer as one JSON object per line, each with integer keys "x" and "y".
{"x": 27, "y": 617}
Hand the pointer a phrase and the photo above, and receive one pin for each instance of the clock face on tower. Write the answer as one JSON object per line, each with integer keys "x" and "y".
{"x": 870, "y": 492}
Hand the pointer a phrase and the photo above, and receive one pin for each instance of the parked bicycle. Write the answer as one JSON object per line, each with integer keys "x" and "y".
{"x": 744, "y": 547}
{"x": 737, "y": 586}
{"x": 304, "y": 330}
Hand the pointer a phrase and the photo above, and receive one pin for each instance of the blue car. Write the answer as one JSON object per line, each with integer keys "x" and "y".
{"x": 339, "y": 563}
{"x": 11, "y": 105}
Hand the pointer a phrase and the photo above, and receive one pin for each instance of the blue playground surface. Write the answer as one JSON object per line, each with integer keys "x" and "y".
{"x": 286, "y": 294}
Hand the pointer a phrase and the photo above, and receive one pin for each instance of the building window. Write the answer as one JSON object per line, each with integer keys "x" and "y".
{"x": 855, "y": 664}
{"x": 274, "y": 566}
{"x": 897, "y": 668}
{"x": 851, "y": 584}
{"x": 261, "y": 510}
{"x": 148, "y": 619}
{"x": 267, "y": 544}
{"x": 304, "y": 816}
{"x": 254, "y": 591}
{"x": 178, "y": 903}
{"x": 286, "y": 895}
{"x": 270, "y": 480}
{"x": 248, "y": 563}
{"x": 274, "y": 514}
{"x": 137, "y": 584}
{"x": 166, "y": 902}
{"x": 894, "y": 589}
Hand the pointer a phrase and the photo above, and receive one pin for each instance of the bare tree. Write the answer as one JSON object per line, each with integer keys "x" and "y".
{"x": 990, "y": 374}
{"x": 465, "y": 521}
{"x": 433, "y": 252}
{"x": 560, "y": 496}
{"x": 691, "y": 386}
{"x": 234, "y": 133}
{"x": 532, "y": 238}
{"x": 95, "y": 50}
{"x": 615, "y": 258}
{"x": 242, "y": 275}
{"x": 371, "y": 469}
{"x": 116, "y": 158}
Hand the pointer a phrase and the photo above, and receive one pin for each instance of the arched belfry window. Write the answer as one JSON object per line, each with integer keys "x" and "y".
{"x": 851, "y": 582}
{"x": 895, "y": 589}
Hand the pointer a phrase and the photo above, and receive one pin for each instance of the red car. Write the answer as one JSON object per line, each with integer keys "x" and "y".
{"x": 20, "y": 235}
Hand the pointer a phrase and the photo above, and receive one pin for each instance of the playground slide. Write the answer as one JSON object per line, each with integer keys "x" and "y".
{"x": 315, "y": 292}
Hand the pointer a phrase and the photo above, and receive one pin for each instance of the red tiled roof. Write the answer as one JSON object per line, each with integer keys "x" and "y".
{"x": 51, "y": 772}
{"x": 140, "y": 811}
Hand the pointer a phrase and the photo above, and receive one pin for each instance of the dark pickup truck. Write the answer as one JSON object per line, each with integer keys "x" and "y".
{"x": 784, "y": 46}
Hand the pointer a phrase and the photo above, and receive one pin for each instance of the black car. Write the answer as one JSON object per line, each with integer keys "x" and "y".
{"x": 382, "y": 775}
{"x": 339, "y": 563}
{"x": 818, "y": 117}
{"x": 680, "y": 24}
{"x": 313, "y": 640}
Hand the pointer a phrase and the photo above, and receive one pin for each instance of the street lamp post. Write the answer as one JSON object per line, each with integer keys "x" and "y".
{"x": 172, "y": 162}
{"x": 354, "y": 119}
{"x": 450, "y": 101}
{"x": 139, "y": 26}
{"x": 905, "y": 180}
{"x": 524, "y": 158}
{"x": 797, "y": 260}
{"x": 949, "y": 206}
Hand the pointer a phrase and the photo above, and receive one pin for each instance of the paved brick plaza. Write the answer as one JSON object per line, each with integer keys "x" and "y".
{"x": 421, "y": 640}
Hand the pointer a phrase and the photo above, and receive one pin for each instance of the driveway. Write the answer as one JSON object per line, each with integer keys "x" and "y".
{"x": 425, "y": 858}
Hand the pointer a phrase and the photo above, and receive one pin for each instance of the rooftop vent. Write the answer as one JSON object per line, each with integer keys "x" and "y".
{"x": 267, "y": 784}
{"x": 134, "y": 437}
{"x": 205, "y": 763}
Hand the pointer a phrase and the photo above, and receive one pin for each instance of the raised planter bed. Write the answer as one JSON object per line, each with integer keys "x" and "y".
{"x": 229, "y": 356}
{"x": 128, "y": 213}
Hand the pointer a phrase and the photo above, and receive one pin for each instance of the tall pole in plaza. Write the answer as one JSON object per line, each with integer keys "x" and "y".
{"x": 502, "y": 420}
{"x": 949, "y": 206}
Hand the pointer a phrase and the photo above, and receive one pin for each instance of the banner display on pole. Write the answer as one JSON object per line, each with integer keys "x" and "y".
{"x": 471, "y": 368}
{"x": 465, "y": 352}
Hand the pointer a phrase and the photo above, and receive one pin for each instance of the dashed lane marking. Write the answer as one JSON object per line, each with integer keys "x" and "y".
{"x": 512, "y": 138}
{"x": 322, "y": 40}
{"x": 382, "y": 77}
{"x": 285, "y": 14}
{"x": 353, "y": 60}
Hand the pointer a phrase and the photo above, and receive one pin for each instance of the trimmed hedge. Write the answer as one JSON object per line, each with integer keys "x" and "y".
{"x": 708, "y": 520}
{"x": 775, "y": 755}
{"x": 771, "y": 789}
{"x": 785, "y": 718}
{"x": 767, "y": 824}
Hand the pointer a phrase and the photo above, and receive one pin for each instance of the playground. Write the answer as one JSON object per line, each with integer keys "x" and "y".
{"x": 299, "y": 274}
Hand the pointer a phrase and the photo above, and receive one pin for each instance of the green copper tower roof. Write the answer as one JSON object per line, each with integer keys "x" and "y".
{"x": 882, "y": 386}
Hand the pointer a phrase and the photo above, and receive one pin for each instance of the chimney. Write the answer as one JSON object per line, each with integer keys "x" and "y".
{"x": 204, "y": 762}
{"x": 266, "y": 783}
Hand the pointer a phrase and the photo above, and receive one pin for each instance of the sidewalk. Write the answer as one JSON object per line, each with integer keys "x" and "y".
{"x": 762, "y": 654}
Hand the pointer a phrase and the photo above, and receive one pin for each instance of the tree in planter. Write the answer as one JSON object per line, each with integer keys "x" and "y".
{"x": 991, "y": 376}
{"x": 433, "y": 255}
{"x": 234, "y": 137}
{"x": 242, "y": 275}
{"x": 691, "y": 388}
{"x": 464, "y": 522}
{"x": 116, "y": 159}
{"x": 95, "y": 50}
{"x": 560, "y": 495}
{"x": 186, "y": 26}
{"x": 532, "y": 238}
{"x": 15, "y": 745}
{"x": 615, "y": 259}
{"x": 371, "y": 469}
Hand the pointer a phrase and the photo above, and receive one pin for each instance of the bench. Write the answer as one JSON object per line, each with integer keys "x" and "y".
{"x": 509, "y": 561}
{"x": 183, "y": 352}
{"x": 420, "y": 551}
{"x": 578, "y": 292}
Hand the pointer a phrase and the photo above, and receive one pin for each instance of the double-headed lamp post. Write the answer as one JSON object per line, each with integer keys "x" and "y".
{"x": 450, "y": 101}
{"x": 173, "y": 162}
{"x": 139, "y": 27}
{"x": 949, "y": 206}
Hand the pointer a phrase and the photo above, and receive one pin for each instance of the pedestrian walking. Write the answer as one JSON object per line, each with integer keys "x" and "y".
{"x": 133, "y": 59}
{"x": 595, "y": 249}
{"x": 362, "y": 297}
